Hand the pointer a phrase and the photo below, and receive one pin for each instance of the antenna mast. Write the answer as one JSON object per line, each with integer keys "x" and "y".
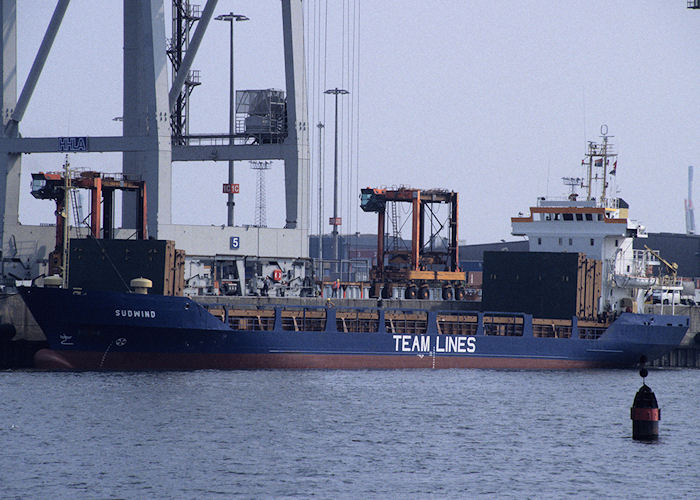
{"x": 66, "y": 221}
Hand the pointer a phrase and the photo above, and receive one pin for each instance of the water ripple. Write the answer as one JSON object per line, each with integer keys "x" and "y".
{"x": 334, "y": 434}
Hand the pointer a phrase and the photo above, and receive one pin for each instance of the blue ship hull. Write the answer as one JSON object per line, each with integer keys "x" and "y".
{"x": 91, "y": 330}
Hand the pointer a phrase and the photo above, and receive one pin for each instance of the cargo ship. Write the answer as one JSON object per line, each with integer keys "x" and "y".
{"x": 575, "y": 300}
{"x": 97, "y": 330}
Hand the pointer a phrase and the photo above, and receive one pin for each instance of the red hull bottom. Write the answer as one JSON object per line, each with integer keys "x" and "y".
{"x": 48, "y": 359}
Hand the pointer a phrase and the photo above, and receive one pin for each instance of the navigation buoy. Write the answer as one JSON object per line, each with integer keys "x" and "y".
{"x": 645, "y": 412}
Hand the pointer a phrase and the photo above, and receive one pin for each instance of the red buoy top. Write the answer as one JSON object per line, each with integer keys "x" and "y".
{"x": 645, "y": 406}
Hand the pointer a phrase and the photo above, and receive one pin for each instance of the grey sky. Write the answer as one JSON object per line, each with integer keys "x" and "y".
{"x": 494, "y": 100}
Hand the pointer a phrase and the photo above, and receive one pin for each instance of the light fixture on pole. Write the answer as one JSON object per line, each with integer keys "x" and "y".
{"x": 230, "y": 18}
{"x": 320, "y": 197}
{"x": 335, "y": 221}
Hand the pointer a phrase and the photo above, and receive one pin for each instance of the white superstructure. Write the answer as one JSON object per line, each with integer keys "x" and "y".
{"x": 598, "y": 226}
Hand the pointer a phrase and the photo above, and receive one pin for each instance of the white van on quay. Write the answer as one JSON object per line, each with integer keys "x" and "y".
{"x": 673, "y": 296}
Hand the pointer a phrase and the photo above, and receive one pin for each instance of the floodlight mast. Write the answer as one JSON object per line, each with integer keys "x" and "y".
{"x": 335, "y": 222}
{"x": 230, "y": 203}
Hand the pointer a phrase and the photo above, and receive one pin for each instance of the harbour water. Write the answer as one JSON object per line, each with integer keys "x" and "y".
{"x": 345, "y": 434}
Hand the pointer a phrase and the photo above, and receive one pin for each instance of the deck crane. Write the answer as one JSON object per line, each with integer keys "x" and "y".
{"x": 668, "y": 283}
{"x": 671, "y": 266}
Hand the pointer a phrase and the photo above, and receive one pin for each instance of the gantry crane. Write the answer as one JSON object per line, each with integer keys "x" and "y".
{"x": 51, "y": 186}
{"x": 430, "y": 261}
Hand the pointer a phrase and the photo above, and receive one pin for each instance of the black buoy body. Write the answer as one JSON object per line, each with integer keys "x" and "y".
{"x": 645, "y": 415}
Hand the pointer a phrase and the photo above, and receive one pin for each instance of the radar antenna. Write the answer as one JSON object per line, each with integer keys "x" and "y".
{"x": 573, "y": 183}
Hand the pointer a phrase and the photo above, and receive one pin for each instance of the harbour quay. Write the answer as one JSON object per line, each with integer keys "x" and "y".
{"x": 684, "y": 356}
{"x": 687, "y": 355}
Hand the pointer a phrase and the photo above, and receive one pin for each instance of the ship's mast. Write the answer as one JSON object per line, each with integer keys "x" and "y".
{"x": 589, "y": 169}
{"x": 604, "y": 154}
{"x": 599, "y": 156}
{"x": 66, "y": 221}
